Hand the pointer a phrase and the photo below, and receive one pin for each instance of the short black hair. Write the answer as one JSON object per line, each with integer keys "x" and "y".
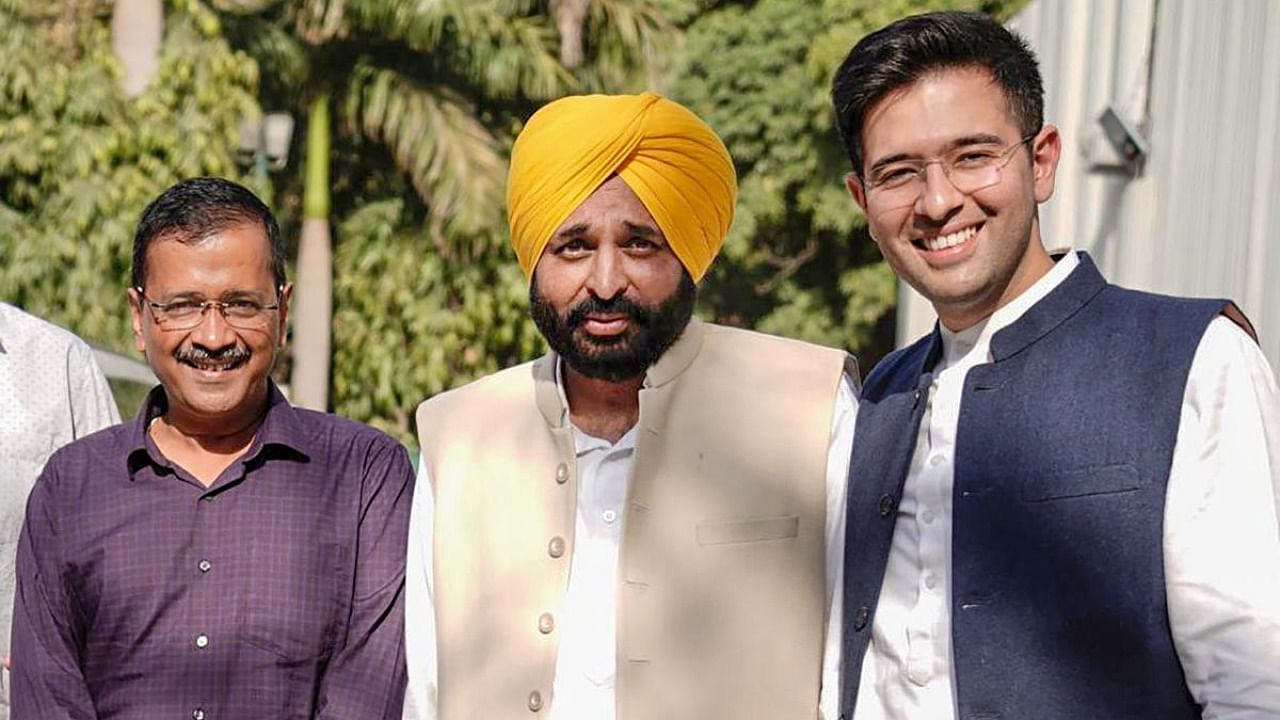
{"x": 904, "y": 51}
{"x": 196, "y": 208}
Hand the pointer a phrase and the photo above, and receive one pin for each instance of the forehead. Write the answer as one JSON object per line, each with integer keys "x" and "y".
{"x": 614, "y": 203}
{"x": 935, "y": 109}
{"x": 237, "y": 257}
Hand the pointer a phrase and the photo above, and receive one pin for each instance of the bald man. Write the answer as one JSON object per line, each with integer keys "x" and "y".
{"x": 637, "y": 524}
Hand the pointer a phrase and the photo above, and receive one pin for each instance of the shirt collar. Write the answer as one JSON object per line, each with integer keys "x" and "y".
{"x": 973, "y": 342}
{"x": 281, "y": 431}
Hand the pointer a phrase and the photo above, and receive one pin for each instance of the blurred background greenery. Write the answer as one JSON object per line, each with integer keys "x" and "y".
{"x": 405, "y": 112}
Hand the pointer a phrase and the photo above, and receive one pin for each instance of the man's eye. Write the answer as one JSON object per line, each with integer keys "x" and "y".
{"x": 572, "y": 247}
{"x": 242, "y": 308}
{"x": 974, "y": 158}
{"x": 182, "y": 307}
{"x": 896, "y": 176}
{"x": 637, "y": 242}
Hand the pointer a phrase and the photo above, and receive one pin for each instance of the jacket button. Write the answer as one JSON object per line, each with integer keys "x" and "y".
{"x": 886, "y": 505}
{"x": 860, "y": 618}
{"x": 562, "y": 473}
{"x": 546, "y": 623}
{"x": 555, "y": 548}
{"x": 535, "y": 701}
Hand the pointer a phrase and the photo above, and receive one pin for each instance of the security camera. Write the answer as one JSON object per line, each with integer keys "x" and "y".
{"x": 1125, "y": 139}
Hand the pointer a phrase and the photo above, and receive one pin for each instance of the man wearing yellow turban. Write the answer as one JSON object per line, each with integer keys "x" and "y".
{"x": 634, "y": 525}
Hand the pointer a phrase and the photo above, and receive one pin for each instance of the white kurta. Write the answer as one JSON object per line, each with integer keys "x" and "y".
{"x": 1221, "y": 535}
{"x": 586, "y": 663}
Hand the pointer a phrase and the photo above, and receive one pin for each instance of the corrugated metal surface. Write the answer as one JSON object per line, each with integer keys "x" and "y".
{"x": 1202, "y": 80}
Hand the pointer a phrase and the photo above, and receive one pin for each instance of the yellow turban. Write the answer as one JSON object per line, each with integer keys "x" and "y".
{"x": 669, "y": 158}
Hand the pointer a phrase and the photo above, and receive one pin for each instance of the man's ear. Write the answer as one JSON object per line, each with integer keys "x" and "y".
{"x": 857, "y": 190}
{"x": 286, "y": 296}
{"x": 1046, "y": 149}
{"x": 135, "y": 317}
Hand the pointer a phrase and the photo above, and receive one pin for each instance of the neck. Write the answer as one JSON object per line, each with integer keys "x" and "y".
{"x": 1035, "y": 264}
{"x": 602, "y": 408}
{"x": 203, "y": 445}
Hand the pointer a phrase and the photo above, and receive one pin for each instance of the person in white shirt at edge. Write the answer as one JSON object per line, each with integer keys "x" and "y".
{"x": 637, "y": 524}
{"x": 1062, "y": 502}
{"x": 51, "y": 392}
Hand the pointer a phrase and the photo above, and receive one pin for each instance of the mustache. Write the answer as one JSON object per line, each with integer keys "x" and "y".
{"x": 197, "y": 355}
{"x": 616, "y": 305}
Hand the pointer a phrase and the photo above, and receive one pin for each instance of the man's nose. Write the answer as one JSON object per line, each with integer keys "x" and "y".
{"x": 939, "y": 198}
{"x": 608, "y": 277}
{"x": 213, "y": 331}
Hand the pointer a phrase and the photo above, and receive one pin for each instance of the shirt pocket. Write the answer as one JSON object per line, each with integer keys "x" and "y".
{"x": 763, "y": 529}
{"x": 291, "y": 600}
{"x": 1089, "y": 481}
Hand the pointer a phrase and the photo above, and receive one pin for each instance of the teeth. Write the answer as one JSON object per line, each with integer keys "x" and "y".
{"x": 945, "y": 241}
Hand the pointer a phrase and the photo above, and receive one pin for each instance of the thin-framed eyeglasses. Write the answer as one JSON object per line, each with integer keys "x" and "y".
{"x": 969, "y": 168}
{"x": 185, "y": 314}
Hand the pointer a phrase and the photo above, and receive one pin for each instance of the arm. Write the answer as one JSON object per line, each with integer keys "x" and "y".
{"x": 366, "y": 677}
{"x": 47, "y": 636}
{"x": 420, "y": 613}
{"x": 842, "y": 424}
{"x": 92, "y": 406}
{"x": 1221, "y": 537}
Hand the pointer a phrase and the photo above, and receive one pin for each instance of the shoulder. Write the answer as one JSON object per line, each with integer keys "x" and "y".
{"x": 332, "y": 429}
{"x": 749, "y": 341}
{"x": 514, "y": 384}
{"x": 91, "y": 459}
{"x": 897, "y": 366}
{"x": 27, "y": 334}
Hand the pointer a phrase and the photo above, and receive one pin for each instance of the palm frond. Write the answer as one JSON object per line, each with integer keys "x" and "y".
{"x": 455, "y": 163}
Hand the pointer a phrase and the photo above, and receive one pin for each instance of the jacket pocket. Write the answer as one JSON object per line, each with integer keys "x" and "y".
{"x": 750, "y": 530}
{"x": 1082, "y": 482}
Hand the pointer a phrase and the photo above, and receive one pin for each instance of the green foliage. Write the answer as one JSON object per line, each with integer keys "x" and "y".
{"x": 409, "y": 323}
{"x": 78, "y": 162}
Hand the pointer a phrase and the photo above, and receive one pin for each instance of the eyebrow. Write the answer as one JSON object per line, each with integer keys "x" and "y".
{"x": 962, "y": 141}
{"x": 641, "y": 230}
{"x": 573, "y": 231}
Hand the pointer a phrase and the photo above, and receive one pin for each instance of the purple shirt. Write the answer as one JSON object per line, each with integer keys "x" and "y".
{"x": 277, "y": 592}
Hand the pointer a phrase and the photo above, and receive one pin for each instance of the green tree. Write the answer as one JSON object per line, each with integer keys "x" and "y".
{"x": 78, "y": 161}
{"x": 798, "y": 261}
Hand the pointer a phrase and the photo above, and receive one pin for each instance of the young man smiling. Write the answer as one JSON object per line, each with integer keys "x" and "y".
{"x": 1062, "y": 502}
{"x": 224, "y": 555}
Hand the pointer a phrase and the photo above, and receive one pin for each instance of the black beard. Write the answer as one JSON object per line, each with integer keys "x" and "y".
{"x": 651, "y": 331}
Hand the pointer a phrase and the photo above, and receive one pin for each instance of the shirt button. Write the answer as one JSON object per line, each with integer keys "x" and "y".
{"x": 562, "y": 473}
{"x": 197, "y": 714}
{"x": 555, "y": 548}
{"x": 609, "y": 516}
{"x": 860, "y": 618}
{"x": 202, "y": 641}
{"x": 931, "y": 582}
{"x": 535, "y": 701}
{"x": 204, "y": 566}
{"x": 546, "y": 623}
{"x": 937, "y": 460}
{"x": 927, "y": 516}
{"x": 886, "y": 505}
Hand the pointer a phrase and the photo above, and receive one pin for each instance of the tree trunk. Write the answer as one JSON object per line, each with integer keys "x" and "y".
{"x": 313, "y": 291}
{"x": 137, "y": 28}
{"x": 570, "y": 16}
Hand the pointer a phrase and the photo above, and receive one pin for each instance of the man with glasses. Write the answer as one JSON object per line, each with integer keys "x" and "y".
{"x": 1062, "y": 502}
{"x": 224, "y": 555}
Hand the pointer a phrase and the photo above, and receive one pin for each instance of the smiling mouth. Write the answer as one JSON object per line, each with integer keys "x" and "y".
{"x": 218, "y": 365}
{"x": 943, "y": 242}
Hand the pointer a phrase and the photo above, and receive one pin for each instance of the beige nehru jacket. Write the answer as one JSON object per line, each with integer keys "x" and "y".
{"x": 721, "y": 565}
